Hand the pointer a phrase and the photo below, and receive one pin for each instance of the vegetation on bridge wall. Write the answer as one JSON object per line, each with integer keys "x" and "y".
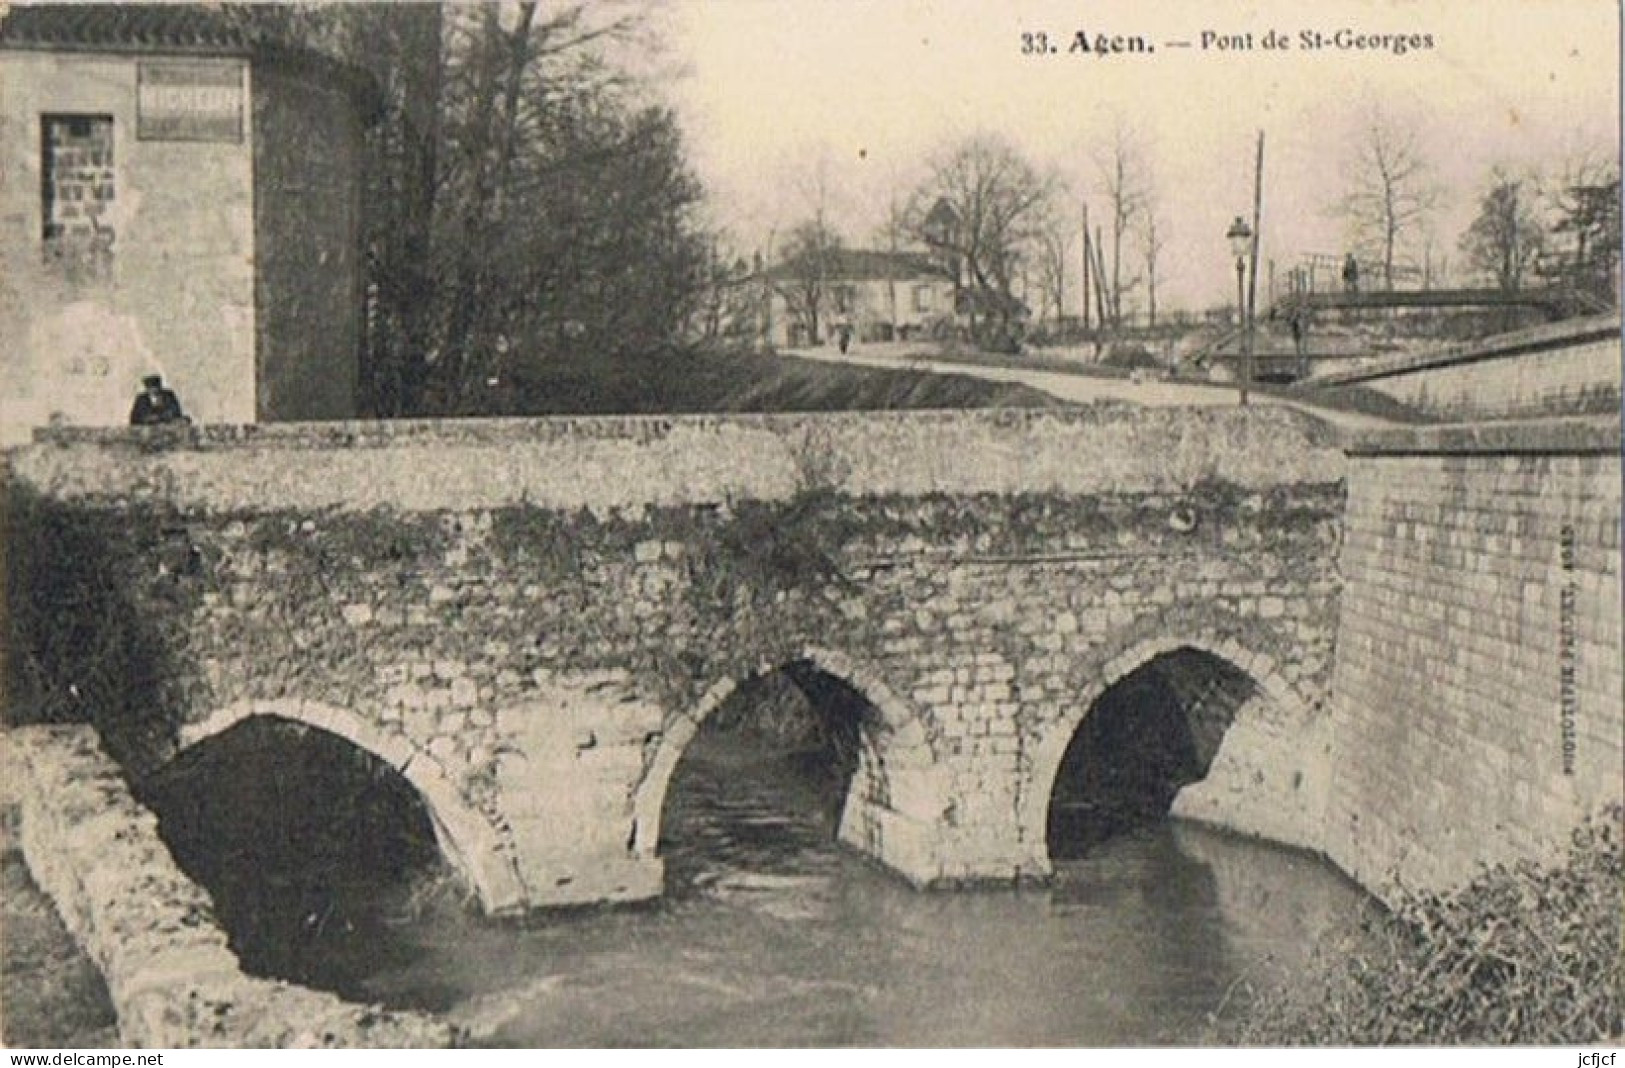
{"x": 92, "y": 599}
{"x": 139, "y": 617}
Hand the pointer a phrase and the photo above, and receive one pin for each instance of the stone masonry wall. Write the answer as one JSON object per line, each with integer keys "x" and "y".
{"x": 1008, "y": 651}
{"x": 546, "y": 645}
{"x": 1478, "y": 679}
{"x": 630, "y": 462}
{"x": 173, "y": 981}
{"x": 1568, "y": 368}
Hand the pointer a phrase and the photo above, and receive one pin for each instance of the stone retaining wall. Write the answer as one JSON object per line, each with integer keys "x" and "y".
{"x": 171, "y": 976}
{"x": 1477, "y": 688}
{"x": 1569, "y": 368}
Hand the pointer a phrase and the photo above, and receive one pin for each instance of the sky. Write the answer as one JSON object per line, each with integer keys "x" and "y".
{"x": 864, "y": 92}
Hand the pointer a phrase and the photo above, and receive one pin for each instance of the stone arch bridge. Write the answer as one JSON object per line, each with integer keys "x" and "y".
{"x": 531, "y": 619}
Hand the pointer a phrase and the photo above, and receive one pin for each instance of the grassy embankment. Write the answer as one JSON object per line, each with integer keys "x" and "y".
{"x": 743, "y": 382}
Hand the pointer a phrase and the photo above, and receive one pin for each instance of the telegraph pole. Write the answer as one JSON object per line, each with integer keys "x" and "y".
{"x": 1252, "y": 280}
{"x": 1085, "y": 287}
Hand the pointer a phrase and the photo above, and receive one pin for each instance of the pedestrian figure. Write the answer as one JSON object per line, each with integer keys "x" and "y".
{"x": 1351, "y": 273}
{"x": 156, "y": 405}
{"x": 1298, "y": 320}
{"x": 844, "y": 336}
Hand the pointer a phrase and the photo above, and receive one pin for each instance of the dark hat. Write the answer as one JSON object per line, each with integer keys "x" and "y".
{"x": 152, "y": 381}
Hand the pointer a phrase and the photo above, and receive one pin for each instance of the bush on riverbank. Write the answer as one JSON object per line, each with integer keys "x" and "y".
{"x": 1522, "y": 954}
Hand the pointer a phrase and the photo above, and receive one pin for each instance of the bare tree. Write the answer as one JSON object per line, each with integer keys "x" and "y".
{"x": 1505, "y": 239}
{"x": 399, "y": 45}
{"x": 1152, "y": 242}
{"x": 1053, "y": 252}
{"x": 809, "y": 262}
{"x": 893, "y": 232}
{"x": 983, "y": 207}
{"x": 1391, "y": 195}
{"x": 564, "y": 210}
{"x": 403, "y": 41}
{"x": 484, "y": 133}
{"x": 1052, "y": 248}
{"x": 1125, "y": 180}
{"x": 522, "y": 198}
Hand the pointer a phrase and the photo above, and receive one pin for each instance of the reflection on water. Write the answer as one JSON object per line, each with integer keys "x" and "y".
{"x": 772, "y": 935}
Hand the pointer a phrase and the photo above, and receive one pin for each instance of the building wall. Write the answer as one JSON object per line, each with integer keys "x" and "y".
{"x": 307, "y": 222}
{"x": 1477, "y": 687}
{"x": 175, "y": 294}
{"x": 869, "y": 311}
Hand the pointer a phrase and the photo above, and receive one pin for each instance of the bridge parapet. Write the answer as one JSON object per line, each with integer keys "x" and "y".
{"x": 613, "y": 462}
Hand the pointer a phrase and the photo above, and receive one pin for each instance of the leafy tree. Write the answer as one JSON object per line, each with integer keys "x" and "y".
{"x": 1504, "y": 241}
{"x": 1585, "y": 236}
{"x": 522, "y": 200}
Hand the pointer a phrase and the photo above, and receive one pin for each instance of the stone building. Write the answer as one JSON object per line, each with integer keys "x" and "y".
{"x": 881, "y": 295}
{"x": 178, "y": 195}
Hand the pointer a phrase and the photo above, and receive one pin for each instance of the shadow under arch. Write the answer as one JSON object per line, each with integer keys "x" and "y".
{"x": 1241, "y": 672}
{"x": 475, "y": 848}
{"x": 896, "y": 761}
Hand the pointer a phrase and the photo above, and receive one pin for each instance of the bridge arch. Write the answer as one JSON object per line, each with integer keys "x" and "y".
{"x": 1228, "y": 655}
{"x": 476, "y": 848}
{"x": 896, "y": 764}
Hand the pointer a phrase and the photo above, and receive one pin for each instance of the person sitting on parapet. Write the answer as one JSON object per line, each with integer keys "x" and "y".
{"x": 156, "y": 405}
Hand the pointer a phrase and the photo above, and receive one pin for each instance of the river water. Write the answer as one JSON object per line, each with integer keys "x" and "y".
{"x": 772, "y": 935}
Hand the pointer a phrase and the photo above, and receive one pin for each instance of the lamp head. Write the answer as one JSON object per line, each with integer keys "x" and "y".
{"x": 1240, "y": 236}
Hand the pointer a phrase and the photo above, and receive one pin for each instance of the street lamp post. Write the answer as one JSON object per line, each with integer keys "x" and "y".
{"x": 1240, "y": 236}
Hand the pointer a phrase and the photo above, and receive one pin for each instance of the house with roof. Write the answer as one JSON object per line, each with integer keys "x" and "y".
{"x": 881, "y": 295}
{"x": 179, "y": 194}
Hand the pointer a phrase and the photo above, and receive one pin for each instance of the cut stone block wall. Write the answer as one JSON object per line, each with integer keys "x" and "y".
{"x": 1477, "y": 691}
{"x": 1570, "y": 368}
